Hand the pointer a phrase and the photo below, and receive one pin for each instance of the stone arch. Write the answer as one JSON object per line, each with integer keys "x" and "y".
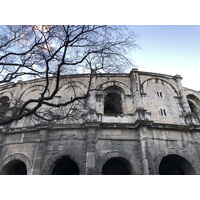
{"x": 69, "y": 91}
{"x": 174, "y": 164}
{"x": 101, "y": 160}
{"x": 65, "y": 166}
{"x": 194, "y": 98}
{"x": 161, "y": 102}
{"x": 70, "y": 84}
{"x": 150, "y": 81}
{"x": 173, "y": 151}
{"x": 113, "y": 100}
{"x": 194, "y": 103}
{"x": 51, "y": 162}
{"x": 7, "y": 94}
{"x": 126, "y": 90}
{"x": 31, "y": 91}
{"x": 117, "y": 166}
{"x": 17, "y": 156}
{"x": 192, "y": 93}
{"x": 121, "y": 89}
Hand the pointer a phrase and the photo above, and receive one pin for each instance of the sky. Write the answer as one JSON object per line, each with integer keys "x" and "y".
{"x": 169, "y": 49}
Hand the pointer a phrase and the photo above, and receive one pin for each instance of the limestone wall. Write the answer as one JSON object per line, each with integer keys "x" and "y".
{"x": 157, "y": 118}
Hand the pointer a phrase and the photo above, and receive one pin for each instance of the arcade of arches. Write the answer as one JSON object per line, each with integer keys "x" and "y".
{"x": 130, "y": 123}
{"x": 170, "y": 165}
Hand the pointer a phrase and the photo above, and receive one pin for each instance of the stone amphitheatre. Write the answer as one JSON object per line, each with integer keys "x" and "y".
{"x": 137, "y": 123}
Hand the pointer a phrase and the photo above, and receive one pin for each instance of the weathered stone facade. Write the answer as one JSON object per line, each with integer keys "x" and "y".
{"x": 138, "y": 123}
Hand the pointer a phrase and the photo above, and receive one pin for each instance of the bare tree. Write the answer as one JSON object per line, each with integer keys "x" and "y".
{"x": 52, "y": 51}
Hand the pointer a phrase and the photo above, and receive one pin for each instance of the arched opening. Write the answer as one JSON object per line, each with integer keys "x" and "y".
{"x": 116, "y": 166}
{"x": 192, "y": 107}
{"x": 15, "y": 167}
{"x": 4, "y": 105}
{"x": 65, "y": 166}
{"x": 113, "y": 101}
{"x": 194, "y": 104}
{"x": 175, "y": 165}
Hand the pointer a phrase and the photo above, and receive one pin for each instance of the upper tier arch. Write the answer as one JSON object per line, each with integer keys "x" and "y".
{"x": 149, "y": 81}
{"x": 71, "y": 84}
{"x": 126, "y": 89}
{"x": 32, "y": 92}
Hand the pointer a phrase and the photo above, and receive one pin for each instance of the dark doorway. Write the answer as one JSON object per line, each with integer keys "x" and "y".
{"x": 116, "y": 166}
{"x": 175, "y": 165}
{"x": 15, "y": 167}
{"x": 65, "y": 166}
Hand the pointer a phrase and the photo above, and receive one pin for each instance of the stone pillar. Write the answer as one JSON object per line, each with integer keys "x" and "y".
{"x": 92, "y": 96}
{"x": 143, "y": 146}
{"x": 184, "y": 101}
{"x": 138, "y": 99}
{"x": 190, "y": 118}
{"x": 39, "y": 151}
{"x": 135, "y": 87}
{"x": 14, "y": 101}
{"x": 90, "y": 155}
{"x": 92, "y": 100}
{"x": 18, "y": 88}
{"x": 91, "y": 120}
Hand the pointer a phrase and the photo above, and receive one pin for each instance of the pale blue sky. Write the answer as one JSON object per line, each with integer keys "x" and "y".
{"x": 170, "y": 50}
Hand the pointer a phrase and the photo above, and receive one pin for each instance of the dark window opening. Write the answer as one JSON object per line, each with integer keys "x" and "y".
{"x": 65, "y": 166}
{"x": 159, "y": 94}
{"x": 192, "y": 107}
{"x": 116, "y": 166}
{"x": 15, "y": 167}
{"x": 175, "y": 165}
{"x": 4, "y": 105}
{"x": 113, "y": 103}
{"x": 163, "y": 112}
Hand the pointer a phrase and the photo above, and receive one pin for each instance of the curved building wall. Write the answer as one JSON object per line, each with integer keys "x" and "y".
{"x": 156, "y": 117}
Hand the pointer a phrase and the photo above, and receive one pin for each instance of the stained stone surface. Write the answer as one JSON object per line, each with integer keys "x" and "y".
{"x": 155, "y": 129}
